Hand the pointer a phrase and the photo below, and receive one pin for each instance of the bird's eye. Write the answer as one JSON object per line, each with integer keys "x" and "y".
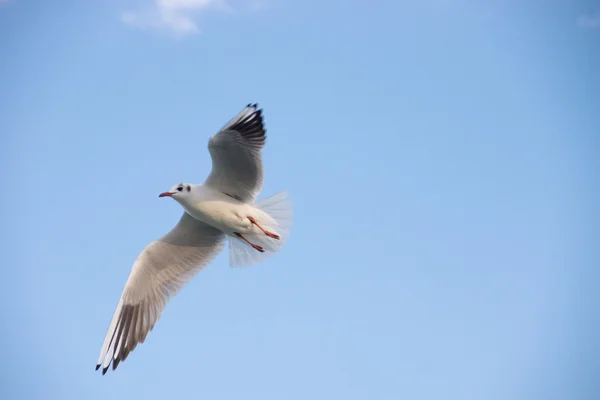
{"x": 180, "y": 188}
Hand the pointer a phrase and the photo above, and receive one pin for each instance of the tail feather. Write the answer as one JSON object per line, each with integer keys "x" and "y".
{"x": 275, "y": 215}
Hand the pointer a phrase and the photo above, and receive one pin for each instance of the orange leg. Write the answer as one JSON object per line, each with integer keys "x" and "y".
{"x": 257, "y": 247}
{"x": 266, "y": 232}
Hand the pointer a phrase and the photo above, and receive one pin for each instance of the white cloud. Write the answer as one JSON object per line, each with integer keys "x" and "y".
{"x": 178, "y": 16}
{"x": 589, "y": 21}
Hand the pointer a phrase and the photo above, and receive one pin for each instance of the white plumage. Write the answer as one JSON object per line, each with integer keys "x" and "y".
{"x": 222, "y": 208}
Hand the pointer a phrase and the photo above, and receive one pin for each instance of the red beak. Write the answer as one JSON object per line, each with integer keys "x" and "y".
{"x": 165, "y": 194}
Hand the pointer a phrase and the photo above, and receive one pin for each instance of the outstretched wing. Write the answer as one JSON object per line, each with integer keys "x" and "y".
{"x": 237, "y": 168}
{"x": 159, "y": 272}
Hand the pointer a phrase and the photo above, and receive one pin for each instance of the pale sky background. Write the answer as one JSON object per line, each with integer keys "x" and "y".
{"x": 443, "y": 157}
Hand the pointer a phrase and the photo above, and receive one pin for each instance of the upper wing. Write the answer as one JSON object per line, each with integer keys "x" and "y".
{"x": 237, "y": 168}
{"x": 159, "y": 272}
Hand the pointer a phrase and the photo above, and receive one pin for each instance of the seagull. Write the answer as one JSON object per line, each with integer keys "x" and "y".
{"x": 222, "y": 209}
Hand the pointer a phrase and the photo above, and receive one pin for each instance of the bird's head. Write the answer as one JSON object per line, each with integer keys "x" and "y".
{"x": 179, "y": 192}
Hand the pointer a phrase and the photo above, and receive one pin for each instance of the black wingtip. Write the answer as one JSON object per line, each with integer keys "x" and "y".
{"x": 105, "y": 369}
{"x": 251, "y": 126}
{"x": 97, "y": 367}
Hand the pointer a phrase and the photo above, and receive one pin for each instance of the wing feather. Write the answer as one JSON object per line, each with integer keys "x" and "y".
{"x": 160, "y": 271}
{"x": 237, "y": 168}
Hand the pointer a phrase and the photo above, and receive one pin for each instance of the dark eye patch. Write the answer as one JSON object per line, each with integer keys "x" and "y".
{"x": 188, "y": 188}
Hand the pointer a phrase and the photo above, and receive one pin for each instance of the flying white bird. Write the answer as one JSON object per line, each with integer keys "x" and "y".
{"x": 222, "y": 208}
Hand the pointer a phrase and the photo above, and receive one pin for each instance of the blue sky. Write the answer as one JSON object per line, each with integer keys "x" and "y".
{"x": 442, "y": 156}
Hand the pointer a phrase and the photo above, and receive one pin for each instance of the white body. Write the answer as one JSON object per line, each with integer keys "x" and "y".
{"x": 231, "y": 216}
{"x": 220, "y": 210}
